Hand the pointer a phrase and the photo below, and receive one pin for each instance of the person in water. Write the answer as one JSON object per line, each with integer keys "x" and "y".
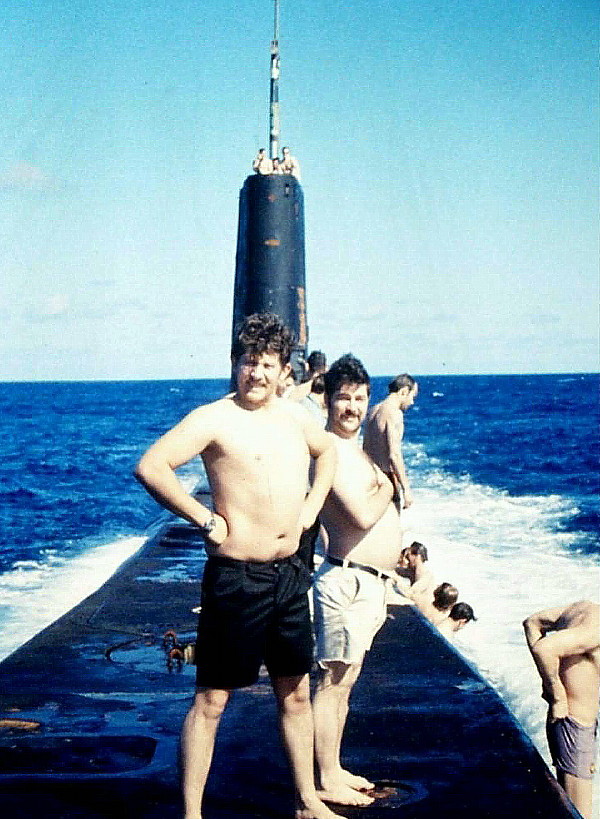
{"x": 565, "y": 646}
{"x": 256, "y": 449}
{"x": 460, "y": 614}
{"x": 350, "y": 586}
{"x": 384, "y": 431}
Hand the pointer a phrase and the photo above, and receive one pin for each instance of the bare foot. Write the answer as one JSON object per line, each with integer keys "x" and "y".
{"x": 359, "y": 783}
{"x": 314, "y": 809}
{"x": 342, "y": 794}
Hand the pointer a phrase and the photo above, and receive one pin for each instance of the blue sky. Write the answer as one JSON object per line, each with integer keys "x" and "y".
{"x": 449, "y": 157}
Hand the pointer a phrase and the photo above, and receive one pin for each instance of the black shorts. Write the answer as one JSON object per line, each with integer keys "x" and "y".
{"x": 253, "y": 613}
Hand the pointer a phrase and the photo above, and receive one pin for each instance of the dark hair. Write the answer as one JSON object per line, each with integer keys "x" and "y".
{"x": 318, "y": 384}
{"x": 400, "y": 381}
{"x": 444, "y": 596}
{"x": 462, "y": 611}
{"x": 417, "y": 548}
{"x": 346, "y": 370}
{"x": 262, "y": 333}
{"x": 316, "y": 361}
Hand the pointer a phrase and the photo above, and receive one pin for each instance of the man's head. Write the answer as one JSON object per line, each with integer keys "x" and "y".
{"x": 461, "y": 614}
{"x": 275, "y": 161}
{"x": 317, "y": 362}
{"x": 318, "y": 385}
{"x": 416, "y": 553}
{"x": 261, "y": 152}
{"x": 260, "y": 353}
{"x": 286, "y": 151}
{"x": 445, "y": 596}
{"x": 347, "y": 390}
{"x": 406, "y": 389}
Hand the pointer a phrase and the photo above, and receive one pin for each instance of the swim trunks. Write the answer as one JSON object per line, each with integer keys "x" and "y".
{"x": 573, "y": 746}
{"x": 349, "y": 611}
{"x": 253, "y": 613}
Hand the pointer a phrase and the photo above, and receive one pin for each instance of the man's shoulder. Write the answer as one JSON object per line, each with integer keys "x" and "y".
{"x": 212, "y": 411}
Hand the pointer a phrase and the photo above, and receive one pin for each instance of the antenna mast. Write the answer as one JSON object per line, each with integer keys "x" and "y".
{"x": 274, "y": 96}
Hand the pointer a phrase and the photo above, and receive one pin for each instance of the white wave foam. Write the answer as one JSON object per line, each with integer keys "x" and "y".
{"x": 509, "y": 558}
{"x": 35, "y": 593}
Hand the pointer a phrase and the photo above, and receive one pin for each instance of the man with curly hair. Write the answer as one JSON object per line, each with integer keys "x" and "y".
{"x": 256, "y": 448}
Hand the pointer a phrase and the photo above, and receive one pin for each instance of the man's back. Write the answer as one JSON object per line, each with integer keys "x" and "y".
{"x": 375, "y": 439}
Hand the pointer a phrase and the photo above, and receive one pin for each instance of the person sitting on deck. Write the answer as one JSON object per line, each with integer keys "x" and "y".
{"x": 350, "y": 586}
{"x": 437, "y": 608}
{"x": 412, "y": 565}
{"x": 460, "y": 614}
{"x": 256, "y": 449}
{"x": 262, "y": 164}
{"x": 565, "y": 645}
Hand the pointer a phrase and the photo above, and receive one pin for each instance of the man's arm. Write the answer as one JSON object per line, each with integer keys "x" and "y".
{"x": 547, "y": 647}
{"x": 156, "y": 470}
{"x": 322, "y": 448}
{"x": 394, "y": 434}
{"x": 364, "y": 511}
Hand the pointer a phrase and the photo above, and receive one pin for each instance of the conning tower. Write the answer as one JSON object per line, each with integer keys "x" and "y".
{"x": 270, "y": 267}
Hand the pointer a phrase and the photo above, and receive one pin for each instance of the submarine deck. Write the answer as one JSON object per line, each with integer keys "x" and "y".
{"x": 90, "y": 715}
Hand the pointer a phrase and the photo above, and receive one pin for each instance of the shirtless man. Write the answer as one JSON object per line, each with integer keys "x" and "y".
{"x": 256, "y": 448}
{"x": 565, "y": 646}
{"x": 460, "y": 614}
{"x": 289, "y": 164}
{"x": 438, "y": 607}
{"x": 262, "y": 164}
{"x": 363, "y": 530}
{"x": 412, "y": 565}
{"x": 384, "y": 431}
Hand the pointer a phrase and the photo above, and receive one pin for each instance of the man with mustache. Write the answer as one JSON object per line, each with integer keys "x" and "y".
{"x": 364, "y": 542}
{"x": 256, "y": 448}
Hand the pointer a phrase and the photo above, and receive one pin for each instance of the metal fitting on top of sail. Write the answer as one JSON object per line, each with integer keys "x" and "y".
{"x": 274, "y": 96}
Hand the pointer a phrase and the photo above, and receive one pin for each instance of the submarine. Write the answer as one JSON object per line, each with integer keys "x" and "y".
{"x": 91, "y": 707}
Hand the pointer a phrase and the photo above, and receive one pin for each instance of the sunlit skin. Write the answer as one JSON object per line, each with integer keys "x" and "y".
{"x": 361, "y": 524}
{"x": 565, "y": 646}
{"x": 256, "y": 448}
{"x": 384, "y": 431}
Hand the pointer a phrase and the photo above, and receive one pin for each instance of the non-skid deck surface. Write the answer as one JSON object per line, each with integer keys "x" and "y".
{"x": 422, "y": 723}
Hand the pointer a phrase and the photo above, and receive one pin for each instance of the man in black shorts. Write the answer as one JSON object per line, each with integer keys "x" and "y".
{"x": 256, "y": 448}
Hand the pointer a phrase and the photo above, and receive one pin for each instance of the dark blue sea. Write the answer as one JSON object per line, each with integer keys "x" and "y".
{"x": 505, "y": 473}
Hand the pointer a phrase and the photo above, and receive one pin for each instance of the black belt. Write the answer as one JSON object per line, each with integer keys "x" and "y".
{"x": 338, "y": 561}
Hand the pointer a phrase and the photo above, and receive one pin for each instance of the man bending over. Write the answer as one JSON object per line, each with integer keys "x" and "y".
{"x": 256, "y": 448}
{"x": 350, "y": 586}
{"x": 565, "y": 646}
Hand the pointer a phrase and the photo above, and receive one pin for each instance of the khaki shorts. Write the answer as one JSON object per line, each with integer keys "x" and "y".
{"x": 349, "y": 611}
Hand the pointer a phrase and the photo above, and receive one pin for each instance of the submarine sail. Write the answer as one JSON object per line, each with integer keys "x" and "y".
{"x": 270, "y": 273}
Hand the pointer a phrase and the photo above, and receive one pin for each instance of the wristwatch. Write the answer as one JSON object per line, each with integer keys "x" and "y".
{"x": 206, "y": 528}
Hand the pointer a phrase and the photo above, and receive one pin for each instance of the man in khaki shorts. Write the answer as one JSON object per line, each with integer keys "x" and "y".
{"x": 363, "y": 530}
{"x": 565, "y": 645}
{"x": 256, "y": 448}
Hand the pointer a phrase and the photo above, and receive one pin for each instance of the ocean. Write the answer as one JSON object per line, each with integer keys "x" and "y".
{"x": 505, "y": 473}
